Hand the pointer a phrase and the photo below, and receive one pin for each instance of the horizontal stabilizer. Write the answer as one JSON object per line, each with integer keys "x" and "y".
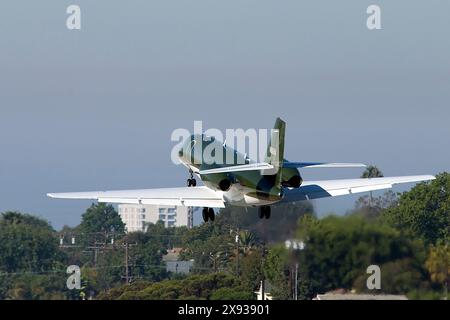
{"x": 288, "y": 164}
{"x": 244, "y": 167}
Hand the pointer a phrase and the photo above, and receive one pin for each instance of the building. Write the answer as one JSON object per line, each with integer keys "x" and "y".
{"x": 344, "y": 295}
{"x": 137, "y": 216}
{"x": 177, "y": 266}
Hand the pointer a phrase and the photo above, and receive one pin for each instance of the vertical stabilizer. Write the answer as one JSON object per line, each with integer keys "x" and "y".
{"x": 275, "y": 149}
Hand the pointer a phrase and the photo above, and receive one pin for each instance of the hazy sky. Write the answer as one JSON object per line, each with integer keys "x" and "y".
{"x": 95, "y": 108}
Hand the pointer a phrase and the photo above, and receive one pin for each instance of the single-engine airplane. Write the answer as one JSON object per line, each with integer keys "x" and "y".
{"x": 244, "y": 182}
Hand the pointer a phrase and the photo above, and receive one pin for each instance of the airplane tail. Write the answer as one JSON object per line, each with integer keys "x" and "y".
{"x": 275, "y": 149}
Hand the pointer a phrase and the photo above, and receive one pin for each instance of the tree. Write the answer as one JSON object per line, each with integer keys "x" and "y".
{"x": 338, "y": 251}
{"x": 371, "y": 172}
{"x": 146, "y": 255}
{"x": 30, "y": 259}
{"x": 250, "y": 266}
{"x": 204, "y": 243}
{"x": 276, "y": 271}
{"x": 438, "y": 265}
{"x": 209, "y": 286}
{"x": 424, "y": 211}
{"x": 101, "y": 218}
{"x": 232, "y": 294}
{"x": 247, "y": 241}
{"x": 373, "y": 207}
{"x": 27, "y": 243}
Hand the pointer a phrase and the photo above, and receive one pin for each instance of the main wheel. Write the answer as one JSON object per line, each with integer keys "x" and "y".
{"x": 211, "y": 214}
{"x": 261, "y": 212}
{"x": 267, "y": 212}
{"x": 205, "y": 214}
{"x": 264, "y": 212}
{"x": 194, "y": 182}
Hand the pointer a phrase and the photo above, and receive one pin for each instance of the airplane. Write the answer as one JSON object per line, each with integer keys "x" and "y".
{"x": 244, "y": 182}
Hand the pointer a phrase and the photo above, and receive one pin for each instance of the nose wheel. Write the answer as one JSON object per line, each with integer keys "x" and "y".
{"x": 208, "y": 214}
{"x": 264, "y": 212}
{"x": 191, "y": 182}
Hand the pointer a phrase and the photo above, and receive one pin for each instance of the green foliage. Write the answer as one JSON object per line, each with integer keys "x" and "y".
{"x": 146, "y": 252}
{"x": 206, "y": 241}
{"x": 251, "y": 269}
{"x": 27, "y": 243}
{"x": 397, "y": 277}
{"x": 192, "y": 287}
{"x": 372, "y": 172}
{"x": 101, "y": 218}
{"x": 424, "y": 212}
{"x": 276, "y": 271}
{"x": 38, "y": 287}
{"x": 371, "y": 207}
{"x": 232, "y": 294}
{"x": 438, "y": 265}
{"x": 339, "y": 249}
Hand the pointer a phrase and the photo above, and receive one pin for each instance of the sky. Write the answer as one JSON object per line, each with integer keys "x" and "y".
{"x": 94, "y": 109}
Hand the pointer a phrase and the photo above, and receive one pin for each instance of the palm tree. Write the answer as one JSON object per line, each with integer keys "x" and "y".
{"x": 372, "y": 172}
{"x": 247, "y": 241}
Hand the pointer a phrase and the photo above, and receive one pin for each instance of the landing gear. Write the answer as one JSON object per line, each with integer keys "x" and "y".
{"x": 264, "y": 212}
{"x": 191, "y": 182}
{"x": 208, "y": 214}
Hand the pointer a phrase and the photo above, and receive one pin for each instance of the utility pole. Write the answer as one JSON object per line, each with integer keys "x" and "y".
{"x": 127, "y": 276}
{"x": 237, "y": 252}
{"x": 263, "y": 284}
{"x": 296, "y": 282}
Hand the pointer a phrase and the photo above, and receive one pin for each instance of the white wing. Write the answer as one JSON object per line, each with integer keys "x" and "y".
{"x": 332, "y": 188}
{"x": 191, "y": 197}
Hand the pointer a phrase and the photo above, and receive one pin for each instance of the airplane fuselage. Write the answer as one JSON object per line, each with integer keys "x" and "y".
{"x": 246, "y": 188}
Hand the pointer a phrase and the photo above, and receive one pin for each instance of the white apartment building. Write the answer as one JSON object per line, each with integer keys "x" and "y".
{"x": 137, "y": 216}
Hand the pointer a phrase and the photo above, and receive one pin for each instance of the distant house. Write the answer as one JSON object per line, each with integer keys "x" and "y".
{"x": 183, "y": 267}
{"x": 176, "y": 266}
{"x": 344, "y": 295}
{"x": 267, "y": 290}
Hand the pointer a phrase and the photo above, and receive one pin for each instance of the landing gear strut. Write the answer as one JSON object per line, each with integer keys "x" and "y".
{"x": 191, "y": 182}
{"x": 208, "y": 214}
{"x": 264, "y": 212}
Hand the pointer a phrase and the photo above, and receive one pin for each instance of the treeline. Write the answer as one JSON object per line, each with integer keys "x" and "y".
{"x": 406, "y": 235}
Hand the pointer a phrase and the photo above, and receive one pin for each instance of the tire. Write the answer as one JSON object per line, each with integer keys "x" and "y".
{"x": 211, "y": 214}
{"x": 267, "y": 212}
{"x": 194, "y": 182}
{"x": 261, "y": 212}
{"x": 189, "y": 182}
{"x": 205, "y": 215}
